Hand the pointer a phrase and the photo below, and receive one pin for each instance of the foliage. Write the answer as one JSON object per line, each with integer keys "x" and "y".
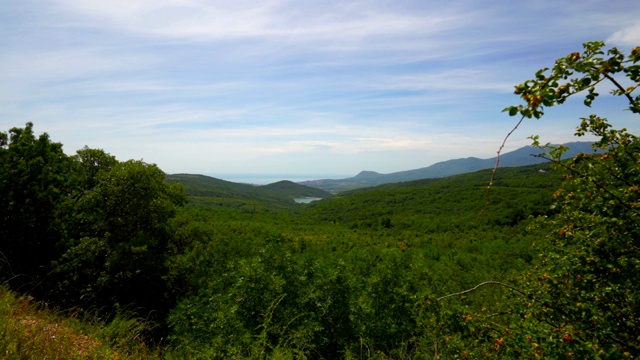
{"x": 578, "y": 72}
{"x": 351, "y": 276}
{"x": 244, "y": 196}
{"x": 347, "y": 277}
{"x": 408, "y": 270}
{"x": 331, "y": 280}
{"x": 87, "y": 229}
{"x": 584, "y": 293}
{"x": 121, "y": 234}
{"x": 32, "y": 187}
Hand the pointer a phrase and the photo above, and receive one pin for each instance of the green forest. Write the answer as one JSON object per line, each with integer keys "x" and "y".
{"x": 121, "y": 260}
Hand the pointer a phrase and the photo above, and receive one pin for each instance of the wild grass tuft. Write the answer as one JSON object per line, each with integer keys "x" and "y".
{"x": 31, "y": 331}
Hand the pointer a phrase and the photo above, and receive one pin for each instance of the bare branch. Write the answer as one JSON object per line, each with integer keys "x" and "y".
{"x": 435, "y": 345}
{"x": 617, "y": 84}
{"x": 479, "y": 285}
{"x": 495, "y": 169}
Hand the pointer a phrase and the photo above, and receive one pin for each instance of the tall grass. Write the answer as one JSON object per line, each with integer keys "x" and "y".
{"x": 31, "y": 331}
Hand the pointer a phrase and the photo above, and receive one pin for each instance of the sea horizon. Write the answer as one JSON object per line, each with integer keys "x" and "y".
{"x": 265, "y": 179}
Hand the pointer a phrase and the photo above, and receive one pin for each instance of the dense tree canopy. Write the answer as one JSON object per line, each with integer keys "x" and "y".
{"x": 84, "y": 229}
{"x": 34, "y": 183}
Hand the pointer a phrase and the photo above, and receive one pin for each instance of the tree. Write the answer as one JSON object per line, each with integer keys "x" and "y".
{"x": 33, "y": 183}
{"x": 84, "y": 230}
{"x": 585, "y": 293}
{"x": 118, "y": 246}
{"x": 582, "y": 297}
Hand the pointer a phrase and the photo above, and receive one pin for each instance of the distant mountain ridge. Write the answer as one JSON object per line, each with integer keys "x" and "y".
{"x": 279, "y": 193}
{"x": 520, "y": 157}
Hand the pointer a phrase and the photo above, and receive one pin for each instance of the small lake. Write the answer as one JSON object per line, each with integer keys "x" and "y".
{"x": 306, "y": 200}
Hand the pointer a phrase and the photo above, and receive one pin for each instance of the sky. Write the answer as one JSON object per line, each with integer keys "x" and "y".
{"x": 316, "y": 89}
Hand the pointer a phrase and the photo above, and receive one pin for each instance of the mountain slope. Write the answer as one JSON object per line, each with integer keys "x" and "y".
{"x": 520, "y": 157}
{"x": 280, "y": 193}
{"x": 286, "y": 188}
{"x": 517, "y": 192}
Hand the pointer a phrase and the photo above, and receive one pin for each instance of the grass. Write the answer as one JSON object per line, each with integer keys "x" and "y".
{"x": 31, "y": 331}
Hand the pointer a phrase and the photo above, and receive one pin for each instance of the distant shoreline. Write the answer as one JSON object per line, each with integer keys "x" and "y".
{"x": 265, "y": 179}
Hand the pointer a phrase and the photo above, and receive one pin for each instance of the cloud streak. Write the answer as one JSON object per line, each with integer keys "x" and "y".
{"x": 212, "y": 86}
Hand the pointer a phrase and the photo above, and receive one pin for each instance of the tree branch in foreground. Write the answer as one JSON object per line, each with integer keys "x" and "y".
{"x": 479, "y": 285}
{"x": 495, "y": 168}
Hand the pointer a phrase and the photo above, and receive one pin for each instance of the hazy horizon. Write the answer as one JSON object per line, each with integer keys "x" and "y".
{"x": 270, "y": 178}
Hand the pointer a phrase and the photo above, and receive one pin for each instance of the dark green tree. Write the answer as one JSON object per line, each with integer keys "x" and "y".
{"x": 84, "y": 230}
{"x": 34, "y": 181}
{"x": 121, "y": 234}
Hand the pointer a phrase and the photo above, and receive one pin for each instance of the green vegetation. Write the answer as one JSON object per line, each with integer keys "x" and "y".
{"x": 202, "y": 188}
{"x": 29, "y": 332}
{"x": 542, "y": 266}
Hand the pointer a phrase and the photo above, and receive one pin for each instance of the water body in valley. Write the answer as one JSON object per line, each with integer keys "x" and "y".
{"x": 306, "y": 200}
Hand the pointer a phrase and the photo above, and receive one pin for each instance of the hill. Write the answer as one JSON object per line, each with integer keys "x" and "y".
{"x": 227, "y": 193}
{"x": 360, "y": 265}
{"x": 517, "y": 192}
{"x": 524, "y": 156}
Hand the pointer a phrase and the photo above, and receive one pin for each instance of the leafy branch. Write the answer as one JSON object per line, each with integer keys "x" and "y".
{"x": 556, "y": 87}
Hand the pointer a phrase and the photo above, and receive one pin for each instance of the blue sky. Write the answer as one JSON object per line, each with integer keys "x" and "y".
{"x": 321, "y": 88}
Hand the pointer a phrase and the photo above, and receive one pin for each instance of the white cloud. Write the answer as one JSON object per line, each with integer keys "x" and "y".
{"x": 448, "y": 79}
{"x": 630, "y": 35}
{"x": 61, "y": 64}
{"x": 285, "y": 26}
{"x": 227, "y": 83}
{"x": 225, "y": 19}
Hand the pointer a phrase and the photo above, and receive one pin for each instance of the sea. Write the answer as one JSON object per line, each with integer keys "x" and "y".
{"x": 265, "y": 179}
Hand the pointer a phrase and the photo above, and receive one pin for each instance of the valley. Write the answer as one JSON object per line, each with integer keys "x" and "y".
{"x": 109, "y": 259}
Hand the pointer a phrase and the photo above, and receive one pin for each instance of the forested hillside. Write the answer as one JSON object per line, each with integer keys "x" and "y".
{"x": 528, "y": 155}
{"x": 535, "y": 261}
{"x": 361, "y": 267}
{"x": 207, "y": 189}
